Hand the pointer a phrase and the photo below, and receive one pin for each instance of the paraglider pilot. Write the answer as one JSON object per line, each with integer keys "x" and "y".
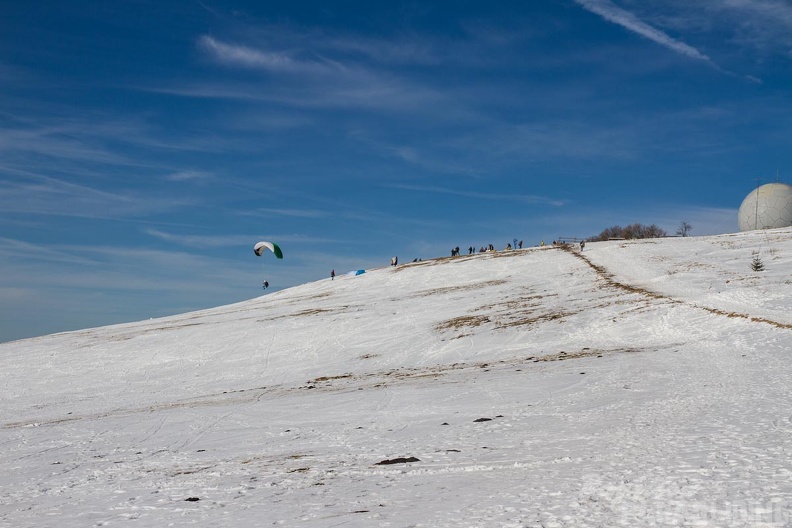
{"x": 265, "y": 284}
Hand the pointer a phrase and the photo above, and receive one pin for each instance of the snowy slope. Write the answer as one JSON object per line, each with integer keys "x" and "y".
{"x": 640, "y": 383}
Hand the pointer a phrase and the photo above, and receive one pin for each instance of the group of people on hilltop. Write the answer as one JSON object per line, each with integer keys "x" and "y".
{"x": 491, "y": 247}
{"x": 563, "y": 243}
{"x": 455, "y": 252}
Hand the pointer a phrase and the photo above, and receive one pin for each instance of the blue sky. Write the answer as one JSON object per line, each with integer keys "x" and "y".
{"x": 145, "y": 146}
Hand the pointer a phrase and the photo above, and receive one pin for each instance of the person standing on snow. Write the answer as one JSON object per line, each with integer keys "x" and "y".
{"x": 332, "y": 275}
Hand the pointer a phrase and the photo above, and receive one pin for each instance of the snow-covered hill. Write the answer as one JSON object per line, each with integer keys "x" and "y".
{"x": 641, "y": 383}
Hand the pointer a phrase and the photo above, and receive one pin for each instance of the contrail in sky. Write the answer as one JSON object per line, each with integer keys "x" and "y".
{"x": 613, "y": 13}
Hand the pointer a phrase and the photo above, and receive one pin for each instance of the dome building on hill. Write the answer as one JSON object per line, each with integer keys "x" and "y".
{"x": 766, "y": 207}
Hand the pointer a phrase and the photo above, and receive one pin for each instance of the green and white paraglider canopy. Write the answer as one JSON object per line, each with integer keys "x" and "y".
{"x": 259, "y": 248}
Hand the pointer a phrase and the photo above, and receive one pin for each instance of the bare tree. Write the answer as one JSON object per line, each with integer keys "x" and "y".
{"x": 629, "y": 232}
{"x": 684, "y": 229}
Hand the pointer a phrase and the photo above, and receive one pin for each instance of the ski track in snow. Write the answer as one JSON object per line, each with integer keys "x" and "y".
{"x": 641, "y": 383}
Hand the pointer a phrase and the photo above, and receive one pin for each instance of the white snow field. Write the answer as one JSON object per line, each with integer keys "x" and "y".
{"x": 636, "y": 384}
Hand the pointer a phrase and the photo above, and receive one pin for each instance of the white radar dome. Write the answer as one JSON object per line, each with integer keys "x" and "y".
{"x": 766, "y": 207}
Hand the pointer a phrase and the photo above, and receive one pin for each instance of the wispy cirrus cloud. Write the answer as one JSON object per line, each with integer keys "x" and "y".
{"x": 218, "y": 241}
{"x": 55, "y": 138}
{"x": 496, "y": 145}
{"x": 520, "y": 198}
{"x": 188, "y": 175}
{"x": 58, "y": 141}
{"x": 375, "y": 94}
{"x": 753, "y": 25}
{"x": 297, "y": 213}
{"x": 13, "y": 250}
{"x": 36, "y": 194}
{"x": 247, "y": 57}
{"x": 329, "y": 74}
{"x": 613, "y": 13}
{"x": 761, "y": 24}
{"x": 200, "y": 240}
{"x": 779, "y": 13}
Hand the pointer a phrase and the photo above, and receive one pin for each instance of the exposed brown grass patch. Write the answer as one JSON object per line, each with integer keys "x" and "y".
{"x": 461, "y": 287}
{"x": 330, "y": 378}
{"x": 427, "y": 262}
{"x": 527, "y": 301}
{"x": 190, "y": 471}
{"x": 312, "y": 311}
{"x": 506, "y": 253}
{"x": 346, "y": 382}
{"x": 610, "y": 280}
{"x": 736, "y": 315}
{"x": 464, "y": 321}
{"x": 461, "y": 258}
{"x": 584, "y": 353}
{"x": 534, "y": 319}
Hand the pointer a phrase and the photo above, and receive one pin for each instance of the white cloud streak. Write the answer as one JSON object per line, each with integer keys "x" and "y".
{"x": 217, "y": 241}
{"x": 308, "y": 78}
{"x": 521, "y": 198}
{"x": 243, "y": 56}
{"x": 187, "y": 175}
{"x": 297, "y": 213}
{"x": 613, "y": 13}
{"x": 42, "y": 195}
{"x": 201, "y": 240}
{"x": 771, "y": 11}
